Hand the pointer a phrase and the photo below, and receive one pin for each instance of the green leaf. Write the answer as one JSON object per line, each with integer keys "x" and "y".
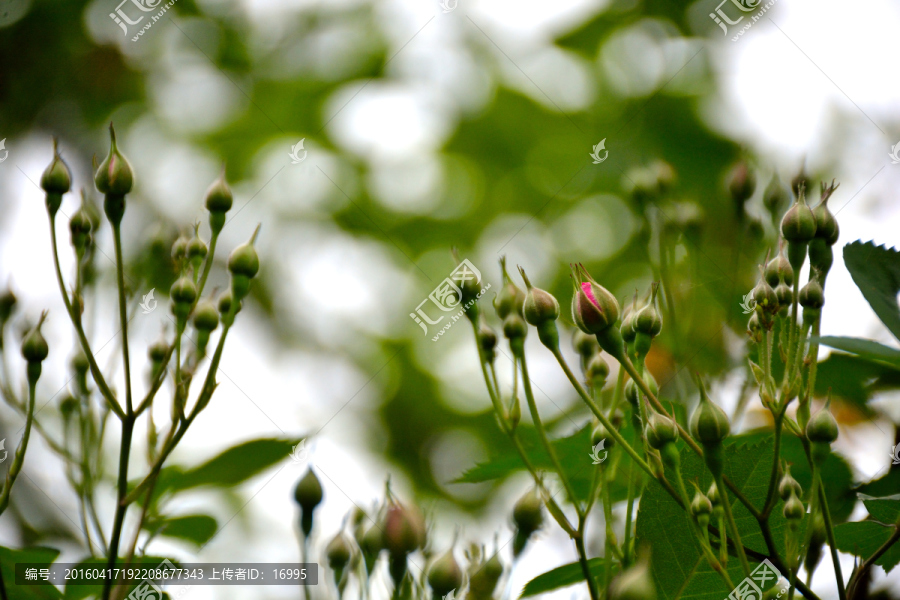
{"x": 876, "y": 272}
{"x": 884, "y": 510}
{"x": 864, "y": 348}
{"x": 233, "y": 466}
{"x": 679, "y": 568}
{"x": 864, "y": 538}
{"x": 567, "y": 575}
{"x": 8, "y": 559}
{"x": 197, "y": 529}
{"x": 855, "y": 379}
{"x": 887, "y": 484}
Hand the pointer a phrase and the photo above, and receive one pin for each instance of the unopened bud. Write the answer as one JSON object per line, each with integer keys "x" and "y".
{"x": 308, "y": 494}
{"x": 528, "y": 516}
{"x": 196, "y": 249}
{"x": 444, "y": 575}
{"x": 788, "y": 485}
{"x": 540, "y": 305}
{"x": 660, "y": 430}
{"x": 597, "y": 371}
{"x": 635, "y": 583}
{"x": 183, "y": 293}
{"x": 34, "y": 346}
{"x": 741, "y": 185}
{"x": 511, "y": 298}
{"x": 338, "y": 553}
{"x": 487, "y": 339}
{"x": 701, "y": 509}
{"x": 599, "y": 434}
{"x": 218, "y": 202}
{"x": 594, "y": 309}
{"x": 811, "y": 295}
{"x": 483, "y": 581}
{"x": 826, "y": 225}
{"x": 709, "y": 424}
{"x": 114, "y": 178}
{"x": 56, "y": 180}
{"x": 764, "y": 295}
{"x": 243, "y": 265}
{"x": 404, "y": 530}
{"x": 584, "y": 344}
{"x": 775, "y": 197}
{"x": 793, "y": 508}
{"x": 779, "y": 270}
{"x": 80, "y": 230}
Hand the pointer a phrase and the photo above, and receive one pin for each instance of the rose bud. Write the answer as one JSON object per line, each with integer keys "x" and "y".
{"x": 218, "y": 202}
{"x": 444, "y": 575}
{"x": 775, "y": 196}
{"x": 243, "y": 265}
{"x": 308, "y": 494}
{"x": 709, "y": 425}
{"x": 788, "y": 485}
{"x": 487, "y": 339}
{"x": 822, "y": 431}
{"x": 635, "y": 583}
{"x": 528, "y": 516}
{"x": 80, "y": 231}
{"x": 596, "y": 372}
{"x": 404, "y": 530}
{"x": 779, "y": 270}
{"x": 338, "y": 552}
{"x": 56, "y": 180}
{"x": 793, "y": 508}
{"x": 741, "y": 185}
{"x": 594, "y": 309}
{"x": 541, "y": 310}
{"x": 701, "y": 509}
{"x": 483, "y": 581}
{"x": 798, "y": 227}
{"x": 183, "y": 293}
{"x": 511, "y": 298}
{"x": 114, "y": 178}
{"x": 35, "y": 350}
{"x": 196, "y": 249}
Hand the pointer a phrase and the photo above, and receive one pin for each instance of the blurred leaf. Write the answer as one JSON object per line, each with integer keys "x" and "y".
{"x": 8, "y": 559}
{"x": 82, "y": 591}
{"x": 677, "y": 563}
{"x": 865, "y": 348}
{"x": 237, "y": 464}
{"x": 885, "y": 510}
{"x": 864, "y": 538}
{"x": 889, "y": 484}
{"x": 566, "y": 575}
{"x": 192, "y": 528}
{"x": 876, "y": 272}
{"x": 854, "y": 378}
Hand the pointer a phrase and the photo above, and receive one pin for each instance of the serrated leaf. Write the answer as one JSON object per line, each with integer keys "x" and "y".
{"x": 9, "y": 557}
{"x": 679, "y": 569}
{"x": 197, "y": 529}
{"x": 876, "y": 272}
{"x": 884, "y": 510}
{"x": 864, "y": 538}
{"x": 865, "y": 348}
{"x": 567, "y": 575}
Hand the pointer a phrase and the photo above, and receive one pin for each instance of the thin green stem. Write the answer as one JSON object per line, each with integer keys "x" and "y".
{"x": 773, "y": 476}
{"x": 19, "y": 459}
{"x": 123, "y": 315}
{"x": 583, "y": 560}
{"x": 76, "y": 322}
{"x": 729, "y": 517}
{"x": 121, "y": 505}
{"x": 829, "y": 531}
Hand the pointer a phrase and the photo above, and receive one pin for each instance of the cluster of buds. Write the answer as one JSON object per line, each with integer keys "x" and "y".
{"x": 790, "y": 491}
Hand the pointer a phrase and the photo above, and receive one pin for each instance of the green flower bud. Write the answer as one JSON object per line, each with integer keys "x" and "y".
{"x": 811, "y": 295}
{"x": 371, "y": 545}
{"x": 225, "y": 305}
{"x": 754, "y": 327}
{"x": 183, "y": 293}
{"x": 826, "y": 225}
{"x": 709, "y": 423}
{"x": 56, "y": 180}
{"x": 741, "y": 185}
{"x": 179, "y": 248}
{"x": 540, "y": 306}
{"x": 793, "y": 508}
{"x": 632, "y": 392}
{"x": 196, "y": 249}
{"x": 528, "y": 512}
{"x": 244, "y": 265}
{"x": 701, "y": 508}
{"x": 338, "y": 553}
{"x": 34, "y": 346}
{"x": 784, "y": 295}
{"x": 628, "y": 315}
{"x": 206, "y": 317}
{"x": 597, "y": 371}
{"x": 308, "y": 494}
{"x": 594, "y": 309}
{"x": 660, "y": 430}
{"x": 635, "y": 583}
{"x": 404, "y": 530}
{"x": 514, "y": 327}
{"x": 584, "y": 344}
{"x": 779, "y": 270}
{"x": 600, "y": 433}
{"x": 68, "y": 406}
{"x": 799, "y": 223}
{"x": 487, "y": 339}
{"x": 647, "y": 320}
{"x": 775, "y": 197}
{"x": 764, "y": 295}
{"x": 219, "y": 197}
{"x": 114, "y": 178}
{"x": 7, "y": 305}
{"x": 80, "y": 230}
{"x": 788, "y": 485}
{"x": 484, "y": 580}
{"x": 511, "y": 298}
{"x": 444, "y": 575}
{"x": 713, "y": 494}
{"x": 158, "y": 350}
{"x": 822, "y": 427}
